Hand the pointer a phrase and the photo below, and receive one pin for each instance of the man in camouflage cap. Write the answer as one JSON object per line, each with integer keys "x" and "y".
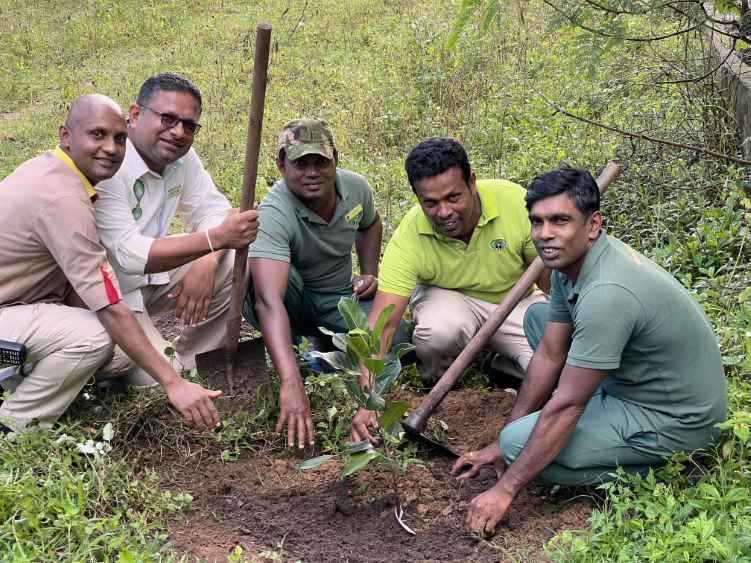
{"x": 301, "y": 262}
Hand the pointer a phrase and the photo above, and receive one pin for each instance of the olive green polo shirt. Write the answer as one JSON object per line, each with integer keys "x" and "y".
{"x": 637, "y": 322}
{"x": 320, "y": 251}
{"x": 486, "y": 268}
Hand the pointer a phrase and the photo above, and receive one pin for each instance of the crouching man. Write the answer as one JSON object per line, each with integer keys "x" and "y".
{"x": 626, "y": 369}
{"x": 58, "y": 294}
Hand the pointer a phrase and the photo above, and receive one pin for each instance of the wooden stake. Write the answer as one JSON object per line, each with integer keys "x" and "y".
{"x": 252, "y": 150}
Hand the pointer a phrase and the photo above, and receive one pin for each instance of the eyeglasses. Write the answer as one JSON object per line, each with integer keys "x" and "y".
{"x": 138, "y": 191}
{"x": 170, "y": 120}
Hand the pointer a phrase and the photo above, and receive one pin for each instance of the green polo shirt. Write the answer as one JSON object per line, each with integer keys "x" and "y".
{"x": 320, "y": 251}
{"x": 637, "y": 322}
{"x": 486, "y": 268}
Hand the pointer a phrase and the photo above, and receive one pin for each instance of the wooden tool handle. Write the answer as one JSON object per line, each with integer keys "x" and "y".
{"x": 252, "y": 150}
{"x": 415, "y": 422}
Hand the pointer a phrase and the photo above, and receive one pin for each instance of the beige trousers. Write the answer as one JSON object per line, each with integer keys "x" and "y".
{"x": 192, "y": 340}
{"x": 67, "y": 345}
{"x": 446, "y": 320}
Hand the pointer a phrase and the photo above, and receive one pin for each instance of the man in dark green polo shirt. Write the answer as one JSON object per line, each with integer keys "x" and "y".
{"x": 632, "y": 359}
{"x": 301, "y": 261}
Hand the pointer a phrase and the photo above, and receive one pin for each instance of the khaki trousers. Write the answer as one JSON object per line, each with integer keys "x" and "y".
{"x": 192, "y": 340}
{"x": 67, "y": 345}
{"x": 446, "y": 320}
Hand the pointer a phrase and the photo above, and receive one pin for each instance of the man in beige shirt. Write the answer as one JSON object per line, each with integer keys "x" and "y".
{"x": 58, "y": 294}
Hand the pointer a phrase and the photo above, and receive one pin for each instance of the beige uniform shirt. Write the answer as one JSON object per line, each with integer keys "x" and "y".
{"x": 48, "y": 240}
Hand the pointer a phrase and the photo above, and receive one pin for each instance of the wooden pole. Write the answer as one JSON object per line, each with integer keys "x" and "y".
{"x": 415, "y": 422}
{"x": 252, "y": 150}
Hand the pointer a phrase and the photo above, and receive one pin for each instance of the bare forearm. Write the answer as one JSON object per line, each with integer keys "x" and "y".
{"x": 543, "y": 282}
{"x": 537, "y": 387}
{"x": 368, "y": 247}
{"x": 277, "y": 334}
{"x": 167, "y": 253}
{"x": 551, "y": 433}
{"x": 124, "y": 329}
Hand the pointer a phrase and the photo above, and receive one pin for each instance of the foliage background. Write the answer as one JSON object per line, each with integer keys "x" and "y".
{"x": 380, "y": 72}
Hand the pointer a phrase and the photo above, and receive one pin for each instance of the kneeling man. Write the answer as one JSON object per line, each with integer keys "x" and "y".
{"x": 626, "y": 369}
{"x": 453, "y": 258}
{"x": 58, "y": 295}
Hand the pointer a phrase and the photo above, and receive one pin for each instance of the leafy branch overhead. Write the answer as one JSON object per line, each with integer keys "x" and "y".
{"x": 612, "y": 22}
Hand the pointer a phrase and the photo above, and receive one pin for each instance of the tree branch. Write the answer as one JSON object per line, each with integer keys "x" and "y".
{"x": 580, "y": 25}
{"x": 643, "y": 137}
{"x": 705, "y": 75}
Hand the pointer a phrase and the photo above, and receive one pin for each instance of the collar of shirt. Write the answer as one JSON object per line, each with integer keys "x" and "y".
{"x": 137, "y": 168}
{"x": 312, "y": 216}
{"x": 489, "y": 212}
{"x": 594, "y": 254}
{"x": 62, "y": 155}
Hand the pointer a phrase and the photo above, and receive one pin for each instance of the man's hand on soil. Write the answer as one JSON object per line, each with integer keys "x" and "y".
{"x": 294, "y": 412}
{"x": 194, "y": 403}
{"x": 361, "y": 423}
{"x": 473, "y": 461}
{"x": 365, "y": 285}
{"x": 193, "y": 294}
{"x": 488, "y": 509}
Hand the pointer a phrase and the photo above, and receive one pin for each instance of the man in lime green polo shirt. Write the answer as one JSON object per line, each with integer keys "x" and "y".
{"x": 453, "y": 258}
{"x": 626, "y": 370}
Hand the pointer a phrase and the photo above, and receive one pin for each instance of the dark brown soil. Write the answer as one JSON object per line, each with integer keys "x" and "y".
{"x": 262, "y": 503}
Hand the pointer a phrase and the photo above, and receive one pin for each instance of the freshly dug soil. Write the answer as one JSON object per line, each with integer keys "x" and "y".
{"x": 262, "y": 503}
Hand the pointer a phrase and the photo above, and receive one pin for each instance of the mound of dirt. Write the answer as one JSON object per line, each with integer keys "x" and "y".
{"x": 262, "y": 502}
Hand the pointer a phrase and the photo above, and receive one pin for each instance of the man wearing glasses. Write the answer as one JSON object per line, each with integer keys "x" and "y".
{"x": 161, "y": 177}
{"x": 58, "y": 295}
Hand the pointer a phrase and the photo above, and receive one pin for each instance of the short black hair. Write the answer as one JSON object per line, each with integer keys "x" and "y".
{"x": 433, "y": 157}
{"x": 576, "y": 182}
{"x": 168, "y": 82}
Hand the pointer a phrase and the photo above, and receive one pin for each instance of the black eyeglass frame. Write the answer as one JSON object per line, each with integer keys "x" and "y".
{"x": 170, "y": 120}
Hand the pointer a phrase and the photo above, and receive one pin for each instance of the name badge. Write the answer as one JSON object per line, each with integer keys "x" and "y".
{"x": 174, "y": 191}
{"x": 354, "y": 215}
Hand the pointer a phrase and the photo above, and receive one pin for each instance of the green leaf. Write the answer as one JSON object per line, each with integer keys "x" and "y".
{"x": 398, "y": 351}
{"x": 355, "y": 447}
{"x": 339, "y": 339}
{"x": 466, "y": 10}
{"x": 742, "y": 432}
{"x": 352, "y": 313}
{"x": 358, "y": 345}
{"x": 374, "y": 365}
{"x": 392, "y": 414}
{"x": 375, "y": 402}
{"x": 314, "y": 463}
{"x": 355, "y": 392}
{"x": 736, "y": 494}
{"x": 385, "y": 379}
{"x": 491, "y": 12}
{"x": 383, "y": 318}
{"x": 337, "y": 360}
{"x": 358, "y": 461}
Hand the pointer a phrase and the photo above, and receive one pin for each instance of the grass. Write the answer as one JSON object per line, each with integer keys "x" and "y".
{"x": 380, "y": 73}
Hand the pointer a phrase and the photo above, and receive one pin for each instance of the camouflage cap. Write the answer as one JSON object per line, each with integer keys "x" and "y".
{"x": 306, "y": 136}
